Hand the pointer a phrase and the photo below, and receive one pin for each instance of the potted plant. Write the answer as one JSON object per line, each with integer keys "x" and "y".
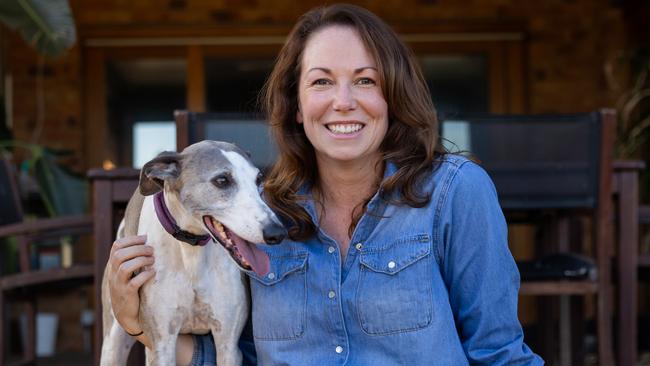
{"x": 628, "y": 75}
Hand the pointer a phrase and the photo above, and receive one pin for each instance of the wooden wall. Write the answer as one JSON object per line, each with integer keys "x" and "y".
{"x": 568, "y": 43}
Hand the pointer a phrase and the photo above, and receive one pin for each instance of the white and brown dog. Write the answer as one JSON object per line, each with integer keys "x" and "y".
{"x": 208, "y": 193}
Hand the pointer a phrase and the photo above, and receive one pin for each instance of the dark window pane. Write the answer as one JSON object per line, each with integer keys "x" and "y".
{"x": 458, "y": 84}
{"x": 142, "y": 90}
{"x": 233, "y": 84}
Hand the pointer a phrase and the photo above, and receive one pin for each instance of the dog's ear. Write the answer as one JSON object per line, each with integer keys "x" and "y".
{"x": 165, "y": 166}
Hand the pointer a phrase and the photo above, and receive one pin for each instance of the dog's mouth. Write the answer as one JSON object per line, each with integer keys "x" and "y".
{"x": 247, "y": 255}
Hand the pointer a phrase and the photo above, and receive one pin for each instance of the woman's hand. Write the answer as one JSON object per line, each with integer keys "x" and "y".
{"x": 129, "y": 268}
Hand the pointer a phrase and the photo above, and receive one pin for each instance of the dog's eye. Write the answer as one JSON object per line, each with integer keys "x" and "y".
{"x": 260, "y": 177}
{"x": 222, "y": 181}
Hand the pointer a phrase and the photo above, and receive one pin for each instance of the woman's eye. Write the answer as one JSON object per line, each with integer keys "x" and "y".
{"x": 321, "y": 82}
{"x": 222, "y": 181}
{"x": 366, "y": 81}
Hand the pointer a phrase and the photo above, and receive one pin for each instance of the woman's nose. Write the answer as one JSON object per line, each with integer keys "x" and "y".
{"x": 344, "y": 99}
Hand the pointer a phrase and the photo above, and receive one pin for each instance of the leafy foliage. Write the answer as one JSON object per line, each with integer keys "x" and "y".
{"x": 629, "y": 75}
{"x": 62, "y": 192}
{"x": 48, "y": 25}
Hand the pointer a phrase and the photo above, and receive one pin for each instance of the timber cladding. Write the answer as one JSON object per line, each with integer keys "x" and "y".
{"x": 559, "y": 55}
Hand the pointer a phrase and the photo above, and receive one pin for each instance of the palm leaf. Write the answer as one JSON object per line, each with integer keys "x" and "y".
{"x": 48, "y": 25}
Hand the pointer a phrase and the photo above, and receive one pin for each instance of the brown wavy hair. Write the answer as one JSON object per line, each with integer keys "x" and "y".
{"x": 411, "y": 141}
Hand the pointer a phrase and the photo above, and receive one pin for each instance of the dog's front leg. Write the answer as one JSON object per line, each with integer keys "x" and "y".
{"x": 116, "y": 346}
{"x": 163, "y": 334}
{"x": 228, "y": 353}
{"x": 163, "y": 352}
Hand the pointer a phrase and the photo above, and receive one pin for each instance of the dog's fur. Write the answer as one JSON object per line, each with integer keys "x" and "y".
{"x": 195, "y": 289}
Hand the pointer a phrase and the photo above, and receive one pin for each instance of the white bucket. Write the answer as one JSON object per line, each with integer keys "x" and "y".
{"x": 46, "y": 329}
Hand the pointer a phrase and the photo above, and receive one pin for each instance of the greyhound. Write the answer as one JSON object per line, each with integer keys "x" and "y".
{"x": 207, "y": 193}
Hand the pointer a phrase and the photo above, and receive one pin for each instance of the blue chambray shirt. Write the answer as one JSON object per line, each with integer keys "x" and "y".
{"x": 435, "y": 285}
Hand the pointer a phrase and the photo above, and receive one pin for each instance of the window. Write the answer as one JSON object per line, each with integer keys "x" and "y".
{"x": 142, "y": 96}
{"x": 151, "y": 138}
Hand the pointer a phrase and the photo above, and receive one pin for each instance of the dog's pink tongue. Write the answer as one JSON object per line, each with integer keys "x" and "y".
{"x": 256, "y": 257}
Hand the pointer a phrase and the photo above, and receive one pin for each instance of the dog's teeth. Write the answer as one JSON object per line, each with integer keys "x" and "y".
{"x": 217, "y": 225}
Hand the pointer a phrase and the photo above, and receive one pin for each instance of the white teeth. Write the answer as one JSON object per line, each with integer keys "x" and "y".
{"x": 345, "y": 127}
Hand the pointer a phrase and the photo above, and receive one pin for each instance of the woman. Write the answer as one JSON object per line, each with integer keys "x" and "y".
{"x": 397, "y": 251}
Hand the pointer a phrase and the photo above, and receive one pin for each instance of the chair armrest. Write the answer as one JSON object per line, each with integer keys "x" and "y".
{"x": 50, "y": 224}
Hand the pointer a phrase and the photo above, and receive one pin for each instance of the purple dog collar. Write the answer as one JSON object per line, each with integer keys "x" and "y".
{"x": 168, "y": 222}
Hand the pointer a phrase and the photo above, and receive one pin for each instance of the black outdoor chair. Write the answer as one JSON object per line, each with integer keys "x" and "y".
{"x": 546, "y": 169}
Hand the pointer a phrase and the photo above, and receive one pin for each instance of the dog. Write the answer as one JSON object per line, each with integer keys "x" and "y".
{"x": 206, "y": 194}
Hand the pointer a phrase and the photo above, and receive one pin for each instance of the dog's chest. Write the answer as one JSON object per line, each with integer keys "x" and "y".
{"x": 201, "y": 318}
{"x": 194, "y": 285}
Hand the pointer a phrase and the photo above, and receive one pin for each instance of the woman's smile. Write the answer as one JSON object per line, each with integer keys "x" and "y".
{"x": 344, "y": 129}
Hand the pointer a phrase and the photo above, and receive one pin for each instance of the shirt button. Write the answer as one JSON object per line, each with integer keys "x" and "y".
{"x": 331, "y": 294}
{"x": 339, "y": 349}
{"x": 271, "y": 276}
{"x": 358, "y": 246}
{"x": 391, "y": 264}
{"x": 331, "y": 250}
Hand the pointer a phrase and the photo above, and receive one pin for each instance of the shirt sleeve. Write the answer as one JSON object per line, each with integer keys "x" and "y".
{"x": 480, "y": 272}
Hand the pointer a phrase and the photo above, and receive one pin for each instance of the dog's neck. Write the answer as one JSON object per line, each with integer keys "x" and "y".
{"x": 183, "y": 219}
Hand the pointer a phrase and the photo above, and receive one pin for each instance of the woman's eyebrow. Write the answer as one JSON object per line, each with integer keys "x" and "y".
{"x": 361, "y": 69}
{"x": 328, "y": 71}
{"x": 323, "y": 69}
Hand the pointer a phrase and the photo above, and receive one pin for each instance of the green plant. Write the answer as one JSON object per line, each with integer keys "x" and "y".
{"x": 62, "y": 192}
{"x": 629, "y": 76}
{"x": 48, "y": 25}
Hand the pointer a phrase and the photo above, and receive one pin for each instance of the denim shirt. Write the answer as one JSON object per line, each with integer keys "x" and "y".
{"x": 435, "y": 285}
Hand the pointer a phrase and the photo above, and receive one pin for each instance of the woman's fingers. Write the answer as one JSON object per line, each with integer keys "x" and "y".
{"x": 126, "y": 249}
{"x": 128, "y": 241}
{"x": 141, "y": 278}
{"x": 126, "y": 269}
{"x": 121, "y": 256}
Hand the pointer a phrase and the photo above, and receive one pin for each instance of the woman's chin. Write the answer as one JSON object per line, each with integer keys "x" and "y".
{"x": 351, "y": 156}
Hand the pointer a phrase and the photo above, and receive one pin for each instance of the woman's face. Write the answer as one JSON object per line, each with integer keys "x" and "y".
{"x": 342, "y": 107}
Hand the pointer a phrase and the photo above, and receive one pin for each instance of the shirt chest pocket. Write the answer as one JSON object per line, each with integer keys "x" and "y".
{"x": 394, "y": 291}
{"x": 279, "y": 299}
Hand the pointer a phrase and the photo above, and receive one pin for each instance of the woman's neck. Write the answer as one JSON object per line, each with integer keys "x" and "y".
{"x": 346, "y": 185}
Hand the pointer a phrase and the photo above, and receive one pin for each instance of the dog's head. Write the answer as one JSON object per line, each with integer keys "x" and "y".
{"x": 216, "y": 186}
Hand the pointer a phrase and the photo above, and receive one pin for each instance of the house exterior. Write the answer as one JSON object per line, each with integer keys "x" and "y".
{"x": 137, "y": 61}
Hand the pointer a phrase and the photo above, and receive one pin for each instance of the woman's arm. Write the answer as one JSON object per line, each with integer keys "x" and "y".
{"x": 480, "y": 273}
{"x": 129, "y": 255}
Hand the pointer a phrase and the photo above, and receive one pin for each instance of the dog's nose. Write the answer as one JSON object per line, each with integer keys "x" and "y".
{"x": 274, "y": 233}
